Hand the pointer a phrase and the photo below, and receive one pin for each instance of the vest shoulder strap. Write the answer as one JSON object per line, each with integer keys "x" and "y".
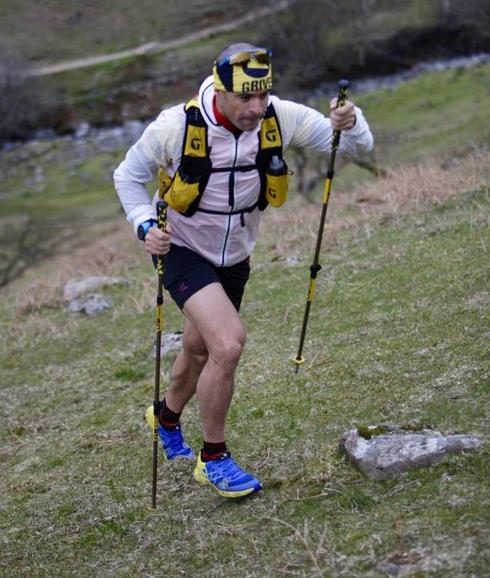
{"x": 270, "y": 131}
{"x": 196, "y": 132}
{"x": 270, "y": 145}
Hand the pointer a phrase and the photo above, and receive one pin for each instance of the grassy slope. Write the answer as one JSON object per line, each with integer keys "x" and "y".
{"x": 431, "y": 114}
{"x": 398, "y": 333}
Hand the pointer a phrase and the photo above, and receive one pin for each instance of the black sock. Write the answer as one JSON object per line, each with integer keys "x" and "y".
{"x": 212, "y": 451}
{"x": 168, "y": 418}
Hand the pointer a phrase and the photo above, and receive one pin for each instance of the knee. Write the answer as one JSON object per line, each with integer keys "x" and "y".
{"x": 195, "y": 351}
{"x": 227, "y": 349}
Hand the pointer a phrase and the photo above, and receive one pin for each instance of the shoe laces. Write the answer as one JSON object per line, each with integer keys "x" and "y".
{"x": 228, "y": 468}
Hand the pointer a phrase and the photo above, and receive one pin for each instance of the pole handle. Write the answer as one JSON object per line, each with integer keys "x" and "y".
{"x": 341, "y": 100}
{"x": 162, "y": 225}
{"x": 343, "y": 92}
{"x": 162, "y": 215}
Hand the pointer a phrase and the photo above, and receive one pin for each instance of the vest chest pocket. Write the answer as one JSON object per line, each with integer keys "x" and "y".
{"x": 181, "y": 192}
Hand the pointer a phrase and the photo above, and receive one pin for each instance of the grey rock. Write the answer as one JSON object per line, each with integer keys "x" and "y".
{"x": 93, "y": 305}
{"x": 110, "y": 139}
{"x": 170, "y": 341}
{"x": 45, "y": 134}
{"x": 133, "y": 129}
{"x": 394, "y": 451}
{"x": 83, "y": 130}
{"x": 75, "y": 288}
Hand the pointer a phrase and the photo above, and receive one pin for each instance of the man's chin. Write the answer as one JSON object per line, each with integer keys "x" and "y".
{"x": 246, "y": 125}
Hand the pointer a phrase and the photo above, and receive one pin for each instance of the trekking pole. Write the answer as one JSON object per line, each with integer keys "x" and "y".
{"x": 315, "y": 267}
{"x": 161, "y": 224}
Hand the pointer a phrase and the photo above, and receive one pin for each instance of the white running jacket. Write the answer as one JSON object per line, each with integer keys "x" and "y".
{"x": 223, "y": 239}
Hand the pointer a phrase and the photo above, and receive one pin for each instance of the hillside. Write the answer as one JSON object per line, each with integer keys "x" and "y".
{"x": 398, "y": 333}
{"x": 57, "y": 194}
{"x": 52, "y": 31}
{"x": 313, "y": 41}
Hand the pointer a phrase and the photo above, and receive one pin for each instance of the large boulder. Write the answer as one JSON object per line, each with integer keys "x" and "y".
{"x": 385, "y": 451}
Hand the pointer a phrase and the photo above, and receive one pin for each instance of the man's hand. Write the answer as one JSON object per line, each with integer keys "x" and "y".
{"x": 157, "y": 242}
{"x": 344, "y": 117}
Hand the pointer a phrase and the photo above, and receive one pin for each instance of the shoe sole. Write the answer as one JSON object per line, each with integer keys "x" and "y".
{"x": 201, "y": 477}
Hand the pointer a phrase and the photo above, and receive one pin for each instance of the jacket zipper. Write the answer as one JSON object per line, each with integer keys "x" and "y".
{"x": 231, "y": 200}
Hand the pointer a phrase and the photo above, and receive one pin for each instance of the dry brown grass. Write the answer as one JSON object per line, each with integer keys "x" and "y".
{"x": 112, "y": 254}
{"x": 404, "y": 190}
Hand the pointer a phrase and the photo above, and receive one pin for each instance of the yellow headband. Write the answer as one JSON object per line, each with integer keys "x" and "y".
{"x": 244, "y": 72}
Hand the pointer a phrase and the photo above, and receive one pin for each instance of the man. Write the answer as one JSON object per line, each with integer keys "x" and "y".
{"x": 217, "y": 157}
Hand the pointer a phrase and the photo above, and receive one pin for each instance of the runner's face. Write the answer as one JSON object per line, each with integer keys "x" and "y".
{"x": 243, "y": 109}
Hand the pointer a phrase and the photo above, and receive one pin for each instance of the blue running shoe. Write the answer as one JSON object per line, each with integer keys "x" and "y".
{"x": 226, "y": 477}
{"x": 173, "y": 442}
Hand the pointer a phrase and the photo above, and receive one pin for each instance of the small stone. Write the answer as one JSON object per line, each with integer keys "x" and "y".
{"x": 91, "y": 306}
{"x": 170, "y": 341}
{"x": 133, "y": 129}
{"x": 83, "y": 130}
{"x": 96, "y": 304}
{"x": 75, "y": 288}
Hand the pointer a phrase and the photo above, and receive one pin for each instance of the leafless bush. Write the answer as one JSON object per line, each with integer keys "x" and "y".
{"x": 20, "y": 95}
{"x": 475, "y": 14}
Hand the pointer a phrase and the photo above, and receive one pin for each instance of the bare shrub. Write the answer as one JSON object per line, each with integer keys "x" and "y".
{"x": 475, "y": 14}
{"x": 21, "y": 95}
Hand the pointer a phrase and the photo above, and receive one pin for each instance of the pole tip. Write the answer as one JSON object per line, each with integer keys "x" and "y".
{"x": 297, "y": 362}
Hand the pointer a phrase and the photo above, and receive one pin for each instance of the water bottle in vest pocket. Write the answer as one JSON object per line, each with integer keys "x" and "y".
{"x": 276, "y": 191}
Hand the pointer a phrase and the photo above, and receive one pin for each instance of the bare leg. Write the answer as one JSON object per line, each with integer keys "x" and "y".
{"x": 186, "y": 369}
{"x": 215, "y": 319}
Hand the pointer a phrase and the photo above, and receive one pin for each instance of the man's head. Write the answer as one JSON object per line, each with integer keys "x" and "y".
{"x": 242, "y": 80}
{"x": 243, "y": 67}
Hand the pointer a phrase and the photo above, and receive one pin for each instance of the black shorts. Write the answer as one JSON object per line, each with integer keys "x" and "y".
{"x": 186, "y": 273}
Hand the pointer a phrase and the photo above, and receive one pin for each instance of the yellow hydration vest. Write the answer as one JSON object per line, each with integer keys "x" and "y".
{"x": 184, "y": 191}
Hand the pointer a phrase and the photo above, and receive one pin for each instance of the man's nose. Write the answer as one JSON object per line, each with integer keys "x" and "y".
{"x": 256, "y": 106}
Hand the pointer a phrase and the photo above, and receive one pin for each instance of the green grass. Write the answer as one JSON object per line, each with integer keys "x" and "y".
{"x": 436, "y": 113}
{"x": 398, "y": 333}
{"x": 55, "y": 31}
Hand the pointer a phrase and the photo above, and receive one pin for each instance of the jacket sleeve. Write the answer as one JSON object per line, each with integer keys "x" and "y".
{"x": 303, "y": 126}
{"x": 158, "y": 146}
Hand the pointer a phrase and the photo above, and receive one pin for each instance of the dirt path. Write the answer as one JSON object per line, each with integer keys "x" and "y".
{"x": 152, "y": 47}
